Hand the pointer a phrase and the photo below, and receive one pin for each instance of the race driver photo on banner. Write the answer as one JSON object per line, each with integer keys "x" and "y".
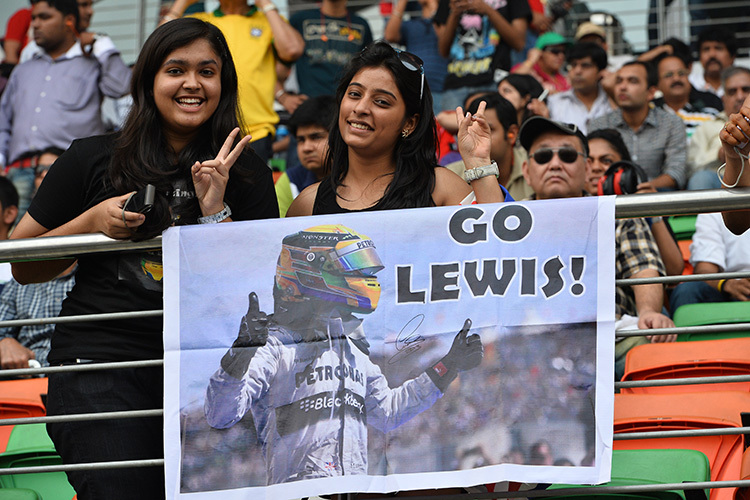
{"x": 390, "y": 351}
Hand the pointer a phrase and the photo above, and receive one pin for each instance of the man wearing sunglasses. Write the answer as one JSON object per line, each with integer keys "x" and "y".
{"x": 545, "y": 61}
{"x": 556, "y": 168}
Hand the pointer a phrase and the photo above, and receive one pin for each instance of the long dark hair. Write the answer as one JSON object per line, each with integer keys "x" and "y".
{"x": 414, "y": 156}
{"x": 141, "y": 154}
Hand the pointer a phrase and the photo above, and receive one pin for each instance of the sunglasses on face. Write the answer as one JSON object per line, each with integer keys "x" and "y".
{"x": 556, "y": 50}
{"x": 566, "y": 155}
{"x": 412, "y": 63}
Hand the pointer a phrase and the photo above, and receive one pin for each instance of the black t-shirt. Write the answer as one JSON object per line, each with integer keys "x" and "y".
{"x": 131, "y": 281}
{"x": 478, "y": 55}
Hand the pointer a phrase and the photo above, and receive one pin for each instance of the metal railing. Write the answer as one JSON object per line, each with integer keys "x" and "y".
{"x": 674, "y": 203}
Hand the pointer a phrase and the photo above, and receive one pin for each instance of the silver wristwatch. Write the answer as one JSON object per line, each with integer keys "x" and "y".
{"x": 217, "y": 217}
{"x": 472, "y": 174}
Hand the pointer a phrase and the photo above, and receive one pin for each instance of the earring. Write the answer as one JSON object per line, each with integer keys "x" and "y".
{"x": 404, "y": 133}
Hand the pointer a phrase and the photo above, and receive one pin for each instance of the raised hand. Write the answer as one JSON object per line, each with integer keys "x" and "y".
{"x": 210, "y": 177}
{"x": 466, "y": 353}
{"x": 253, "y": 333}
{"x": 474, "y": 141}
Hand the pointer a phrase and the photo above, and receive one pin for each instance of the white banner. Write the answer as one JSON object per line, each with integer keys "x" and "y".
{"x": 366, "y": 376}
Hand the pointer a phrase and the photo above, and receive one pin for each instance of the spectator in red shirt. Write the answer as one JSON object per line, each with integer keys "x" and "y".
{"x": 16, "y": 35}
{"x": 545, "y": 61}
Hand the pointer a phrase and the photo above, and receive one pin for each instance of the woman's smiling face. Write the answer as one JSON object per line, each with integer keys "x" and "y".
{"x": 187, "y": 88}
{"x": 372, "y": 112}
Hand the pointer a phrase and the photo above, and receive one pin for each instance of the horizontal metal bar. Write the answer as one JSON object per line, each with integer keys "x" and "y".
{"x": 681, "y": 278}
{"x": 626, "y": 206}
{"x": 81, "y": 318}
{"x": 124, "y": 464}
{"x": 58, "y": 247}
{"x": 681, "y": 202}
{"x": 83, "y": 417}
{"x": 718, "y": 431}
{"x": 662, "y": 382}
{"x": 148, "y": 363}
{"x": 681, "y": 330}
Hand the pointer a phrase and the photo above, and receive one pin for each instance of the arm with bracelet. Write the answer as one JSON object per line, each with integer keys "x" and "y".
{"x": 735, "y": 172}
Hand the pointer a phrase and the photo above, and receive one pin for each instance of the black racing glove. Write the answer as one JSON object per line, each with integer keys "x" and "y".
{"x": 465, "y": 354}
{"x": 252, "y": 335}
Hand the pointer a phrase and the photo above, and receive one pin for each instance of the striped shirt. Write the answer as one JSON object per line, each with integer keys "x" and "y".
{"x": 36, "y": 300}
{"x": 659, "y": 145}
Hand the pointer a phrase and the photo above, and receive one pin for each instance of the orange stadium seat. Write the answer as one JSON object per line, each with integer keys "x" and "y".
{"x": 683, "y": 411}
{"x": 23, "y": 398}
{"x": 708, "y": 358}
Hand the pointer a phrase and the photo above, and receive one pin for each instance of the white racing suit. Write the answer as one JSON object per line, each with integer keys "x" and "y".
{"x": 312, "y": 402}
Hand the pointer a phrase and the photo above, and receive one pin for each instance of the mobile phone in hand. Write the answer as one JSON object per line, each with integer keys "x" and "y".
{"x": 142, "y": 201}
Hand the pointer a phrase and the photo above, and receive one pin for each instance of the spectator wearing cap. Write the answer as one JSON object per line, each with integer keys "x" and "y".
{"x": 590, "y": 32}
{"x": 655, "y": 138}
{"x": 586, "y": 99}
{"x": 545, "y": 61}
{"x": 717, "y": 49}
{"x": 556, "y": 168}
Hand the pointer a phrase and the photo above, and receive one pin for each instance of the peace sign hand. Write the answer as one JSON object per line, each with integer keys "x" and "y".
{"x": 474, "y": 140}
{"x": 210, "y": 177}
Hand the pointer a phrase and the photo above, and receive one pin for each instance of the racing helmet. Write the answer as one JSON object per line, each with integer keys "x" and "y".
{"x": 330, "y": 263}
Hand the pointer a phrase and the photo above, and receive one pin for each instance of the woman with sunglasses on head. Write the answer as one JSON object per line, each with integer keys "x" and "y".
{"x": 181, "y": 136}
{"x": 382, "y": 146}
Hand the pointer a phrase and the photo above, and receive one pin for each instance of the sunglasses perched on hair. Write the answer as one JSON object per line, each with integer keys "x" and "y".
{"x": 412, "y": 63}
{"x": 566, "y": 155}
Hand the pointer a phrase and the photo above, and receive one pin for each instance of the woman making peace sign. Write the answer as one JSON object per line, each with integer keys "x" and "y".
{"x": 181, "y": 136}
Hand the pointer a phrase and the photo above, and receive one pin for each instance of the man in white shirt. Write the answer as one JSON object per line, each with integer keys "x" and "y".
{"x": 715, "y": 249}
{"x": 717, "y": 48}
{"x": 586, "y": 98}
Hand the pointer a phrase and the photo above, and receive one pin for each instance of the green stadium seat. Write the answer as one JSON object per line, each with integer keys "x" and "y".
{"x": 29, "y": 446}
{"x": 646, "y": 467}
{"x": 19, "y": 494}
{"x": 714, "y": 313}
{"x": 683, "y": 226}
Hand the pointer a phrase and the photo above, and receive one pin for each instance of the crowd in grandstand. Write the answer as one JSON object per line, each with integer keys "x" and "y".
{"x": 542, "y": 113}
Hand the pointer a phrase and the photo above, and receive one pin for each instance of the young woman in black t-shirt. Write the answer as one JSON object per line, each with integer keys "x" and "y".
{"x": 382, "y": 146}
{"x": 182, "y": 136}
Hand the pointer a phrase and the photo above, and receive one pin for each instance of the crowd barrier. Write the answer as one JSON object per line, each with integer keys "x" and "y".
{"x": 674, "y": 203}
